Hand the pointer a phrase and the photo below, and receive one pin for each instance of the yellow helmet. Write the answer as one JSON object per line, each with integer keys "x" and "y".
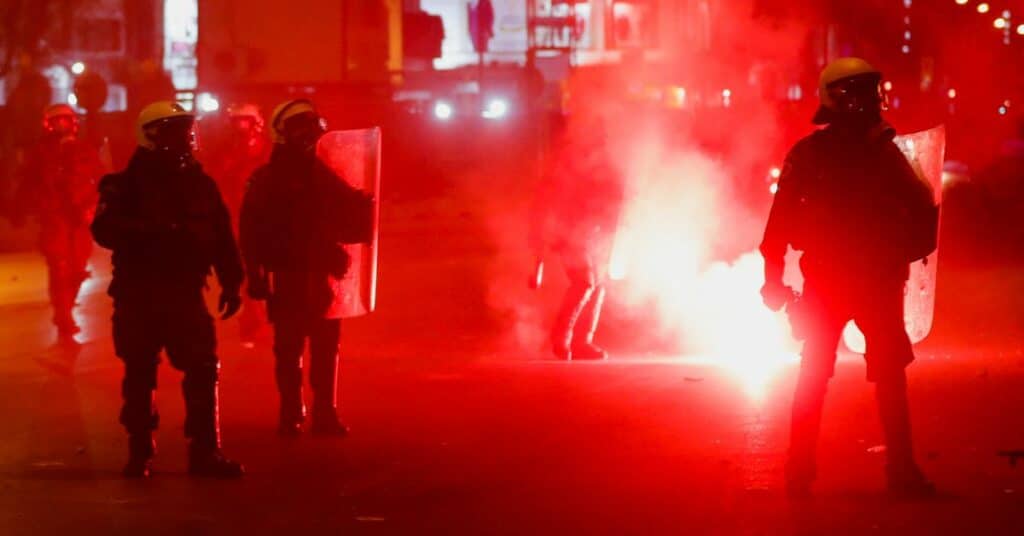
{"x": 837, "y": 71}
{"x": 284, "y": 111}
{"x": 155, "y": 113}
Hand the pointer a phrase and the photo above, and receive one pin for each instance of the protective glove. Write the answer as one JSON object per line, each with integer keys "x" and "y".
{"x": 229, "y": 304}
{"x": 776, "y": 295}
{"x": 339, "y": 261}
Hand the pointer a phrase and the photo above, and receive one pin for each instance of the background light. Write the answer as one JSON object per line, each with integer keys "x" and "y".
{"x": 496, "y": 109}
{"x": 443, "y": 110}
{"x": 983, "y": 7}
{"x": 1000, "y": 23}
{"x": 207, "y": 103}
{"x": 78, "y": 67}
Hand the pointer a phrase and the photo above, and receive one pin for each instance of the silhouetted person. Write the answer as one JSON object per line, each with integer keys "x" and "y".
{"x": 58, "y": 186}
{"x": 849, "y": 199}
{"x": 296, "y": 216}
{"x": 29, "y": 96}
{"x": 576, "y": 215}
{"x": 166, "y": 224}
{"x": 149, "y": 83}
{"x": 244, "y": 149}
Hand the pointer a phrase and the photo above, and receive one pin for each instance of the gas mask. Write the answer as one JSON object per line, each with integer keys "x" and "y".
{"x": 64, "y": 127}
{"x": 303, "y": 131}
{"x": 859, "y": 98}
{"x": 173, "y": 139}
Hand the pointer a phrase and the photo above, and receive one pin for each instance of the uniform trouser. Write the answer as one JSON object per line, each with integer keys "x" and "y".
{"x": 67, "y": 249}
{"x": 144, "y": 325}
{"x": 290, "y": 335}
{"x": 878, "y": 312}
{"x": 580, "y": 311}
{"x": 250, "y": 319}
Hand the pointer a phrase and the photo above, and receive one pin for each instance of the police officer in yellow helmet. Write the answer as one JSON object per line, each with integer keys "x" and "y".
{"x": 850, "y": 89}
{"x": 296, "y": 217}
{"x": 850, "y": 201}
{"x": 167, "y": 227}
{"x": 58, "y": 188}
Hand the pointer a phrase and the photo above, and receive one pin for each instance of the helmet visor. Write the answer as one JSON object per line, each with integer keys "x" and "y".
{"x": 859, "y": 94}
{"x": 64, "y": 125}
{"x": 175, "y": 135}
{"x": 304, "y": 130}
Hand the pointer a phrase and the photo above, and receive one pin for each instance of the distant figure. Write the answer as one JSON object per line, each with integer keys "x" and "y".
{"x": 30, "y": 94}
{"x": 576, "y": 216}
{"x": 296, "y": 218}
{"x": 849, "y": 199}
{"x": 149, "y": 83}
{"x": 167, "y": 226}
{"x": 58, "y": 186}
{"x": 245, "y": 148}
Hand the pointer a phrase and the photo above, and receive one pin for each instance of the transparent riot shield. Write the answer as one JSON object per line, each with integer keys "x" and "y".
{"x": 926, "y": 152}
{"x": 355, "y": 156}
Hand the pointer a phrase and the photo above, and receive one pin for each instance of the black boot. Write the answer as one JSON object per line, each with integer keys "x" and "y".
{"x": 805, "y": 423}
{"x": 289, "y": 423}
{"x": 905, "y": 479}
{"x": 202, "y": 425}
{"x": 292, "y": 413}
{"x": 908, "y": 482}
{"x": 583, "y": 347}
{"x": 288, "y": 375}
{"x": 327, "y": 424}
{"x": 588, "y": 352}
{"x": 207, "y": 460}
{"x": 573, "y": 303}
{"x": 141, "y": 448}
{"x": 323, "y": 376}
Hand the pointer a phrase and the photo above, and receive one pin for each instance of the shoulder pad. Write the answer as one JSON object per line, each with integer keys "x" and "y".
{"x": 807, "y": 146}
{"x": 112, "y": 182}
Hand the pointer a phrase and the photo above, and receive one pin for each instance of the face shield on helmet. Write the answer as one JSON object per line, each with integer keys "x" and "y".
{"x": 245, "y": 123}
{"x": 64, "y": 126}
{"x": 173, "y": 136}
{"x": 850, "y": 90}
{"x": 861, "y": 95}
{"x": 303, "y": 130}
{"x": 60, "y": 120}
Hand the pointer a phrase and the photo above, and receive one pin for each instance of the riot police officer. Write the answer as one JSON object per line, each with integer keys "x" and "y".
{"x": 58, "y": 185}
{"x": 576, "y": 214}
{"x": 167, "y": 226}
{"x": 849, "y": 199}
{"x": 296, "y": 216}
{"x": 245, "y": 148}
